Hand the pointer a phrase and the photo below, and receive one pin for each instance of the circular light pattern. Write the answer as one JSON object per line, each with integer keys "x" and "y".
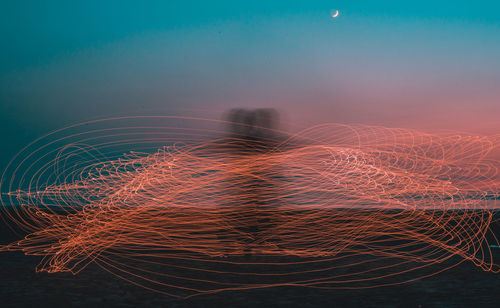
{"x": 176, "y": 206}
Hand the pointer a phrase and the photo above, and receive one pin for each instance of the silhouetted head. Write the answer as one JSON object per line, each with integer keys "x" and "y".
{"x": 253, "y": 130}
{"x": 257, "y": 123}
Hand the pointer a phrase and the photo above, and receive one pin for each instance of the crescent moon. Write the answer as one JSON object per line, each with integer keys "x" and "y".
{"x": 335, "y": 14}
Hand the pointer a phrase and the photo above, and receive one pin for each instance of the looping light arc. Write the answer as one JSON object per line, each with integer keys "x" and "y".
{"x": 163, "y": 203}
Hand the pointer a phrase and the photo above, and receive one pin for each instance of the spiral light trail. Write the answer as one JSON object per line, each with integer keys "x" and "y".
{"x": 172, "y": 208}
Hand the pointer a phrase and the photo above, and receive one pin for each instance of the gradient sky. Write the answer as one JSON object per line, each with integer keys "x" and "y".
{"x": 419, "y": 64}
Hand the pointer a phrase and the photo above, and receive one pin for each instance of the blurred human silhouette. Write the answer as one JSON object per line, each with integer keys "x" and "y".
{"x": 251, "y": 144}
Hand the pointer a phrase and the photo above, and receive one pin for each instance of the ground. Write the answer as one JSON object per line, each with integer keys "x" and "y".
{"x": 20, "y": 286}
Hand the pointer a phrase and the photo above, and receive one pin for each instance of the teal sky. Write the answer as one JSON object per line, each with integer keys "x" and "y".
{"x": 421, "y": 64}
{"x": 36, "y": 32}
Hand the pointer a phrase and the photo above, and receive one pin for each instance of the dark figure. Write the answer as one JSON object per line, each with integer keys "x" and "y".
{"x": 254, "y": 195}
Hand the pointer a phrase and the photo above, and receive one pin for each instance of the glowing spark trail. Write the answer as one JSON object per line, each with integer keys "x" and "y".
{"x": 354, "y": 206}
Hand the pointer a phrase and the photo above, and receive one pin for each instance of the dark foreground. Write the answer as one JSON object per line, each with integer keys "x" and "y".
{"x": 20, "y": 286}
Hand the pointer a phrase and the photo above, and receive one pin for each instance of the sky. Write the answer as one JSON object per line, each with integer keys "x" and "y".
{"x": 418, "y": 64}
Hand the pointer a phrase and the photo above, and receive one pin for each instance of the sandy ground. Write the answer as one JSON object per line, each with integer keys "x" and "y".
{"x": 20, "y": 286}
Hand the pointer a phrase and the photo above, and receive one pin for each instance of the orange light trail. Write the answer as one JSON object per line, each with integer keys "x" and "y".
{"x": 333, "y": 206}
